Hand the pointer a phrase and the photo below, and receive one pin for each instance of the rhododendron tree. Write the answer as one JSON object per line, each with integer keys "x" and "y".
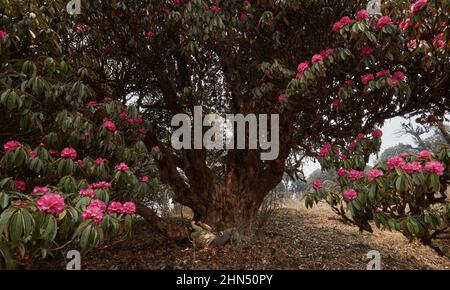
{"x": 66, "y": 153}
{"x": 406, "y": 194}
{"x": 204, "y": 53}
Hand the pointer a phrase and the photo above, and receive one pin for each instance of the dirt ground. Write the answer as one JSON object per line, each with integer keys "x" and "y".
{"x": 293, "y": 238}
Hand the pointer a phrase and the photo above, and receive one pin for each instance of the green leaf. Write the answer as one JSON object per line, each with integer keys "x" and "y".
{"x": 7, "y": 255}
{"x": 4, "y": 200}
{"x": 128, "y": 223}
{"x": 4, "y": 219}
{"x": 16, "y": 227}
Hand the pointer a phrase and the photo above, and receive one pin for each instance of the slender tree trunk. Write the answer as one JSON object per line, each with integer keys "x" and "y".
{"x": 443, "y": 129}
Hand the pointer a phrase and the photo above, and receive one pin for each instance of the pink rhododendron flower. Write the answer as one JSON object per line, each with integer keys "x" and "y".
{"x": 69, "y": 152}
{"x": 412, "y": 167}
{"x": 51, "y": 203}
{"x": 383, "y": 73}
{"x": 366, "y": 51}
{"x": 109, "y": 125}
{"x": 32, "y": 154}
{"x": 417, "y": 6}
{"x": 80, "y": 163}
{"x": 129, "y": 208}
{"x": 405, "y": 154}
{"x": 98, "y": 203}
{"x": 53, "y": 152}
{"x": 405, "y": 24}
{"x": 360, "y": 136}
{"x": 81, "y": 29}
{"x": 355, "y": 175}
{"x": 377, "y": 133}
{"x": 93, "y": 213}
{"x": 399, "y": 75}
{"x": 302, "y": 67}
{"x": 21, "y": 185}
{"x": 365, "y": 79}
{"x": 243, "y": 16}
{"x": 99, "y": 161}
{"x": 317, "y": 184}
{"x": 214, "y": 8}
{"x": 246, "y": 3}
{"x": 425, "y": 154}
{"x": 341, "y": 172}
{"x": 341, "y": 23}
{"x": 144, "y": 179}
{"x": 349, "y": 82}
{"x": 434, "y": 167}
{"x": 116, "y": 207}
{"x": 37, "y": 190}
{"x": 349, "y": 195}
{"x": 11, "y": 145}
{"x": 87, "y": 193}
{"x": 92, "y": 104}
{"x": 336, "y": 103}
{"x": 150, "y": 34}
{"x": 326, "y": 53}
{"x": 438, "y": 40}
{"x": 362, "y": 14}
{"x": 122, "y": 167}
{"x": 282, "y": 98}
{"x": 394, "y": 162}
{"x": 3, "y": 35}
{"x": 156, "y": 149}
{"x": 383, "y": 21}
{"x": 325, "y": 150}
{"x": 374, "y": 174}
{"x": 101, "y": 184}
{"x": 353, "y": 144}
{"x": 316, "y": 58}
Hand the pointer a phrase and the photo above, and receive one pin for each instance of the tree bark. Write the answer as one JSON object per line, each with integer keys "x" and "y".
{"x": 443, "y": 129}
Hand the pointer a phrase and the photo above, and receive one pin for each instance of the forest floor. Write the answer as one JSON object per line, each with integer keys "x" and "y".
{"x": 293, "y": 238}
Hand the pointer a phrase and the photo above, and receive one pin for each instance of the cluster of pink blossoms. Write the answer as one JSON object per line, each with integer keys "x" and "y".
{"x": 417, "y": 6}
{"x": 109, "y": 125}
{"x": 11, "y": 145}
{"x": 132, "y": 121}
{"x": 349, "y": 195}
{"x": 69, "y": 152}
{"x": 100, "y": 184}
{"x": 21, "y": 185}
{"x": 374, "y": 174}
{"x": 122, "y": 167}
{"x": 126, "y": 208}
{"x": 51, "y": 203}
{"x": 317, "y": 184}
{"x": 355, "y": 175}
{"x": 39, "y": 190}
{"x": 87, "y": 192}
{"x": 94, "y": 211}
{"x": 3, "y": 35}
